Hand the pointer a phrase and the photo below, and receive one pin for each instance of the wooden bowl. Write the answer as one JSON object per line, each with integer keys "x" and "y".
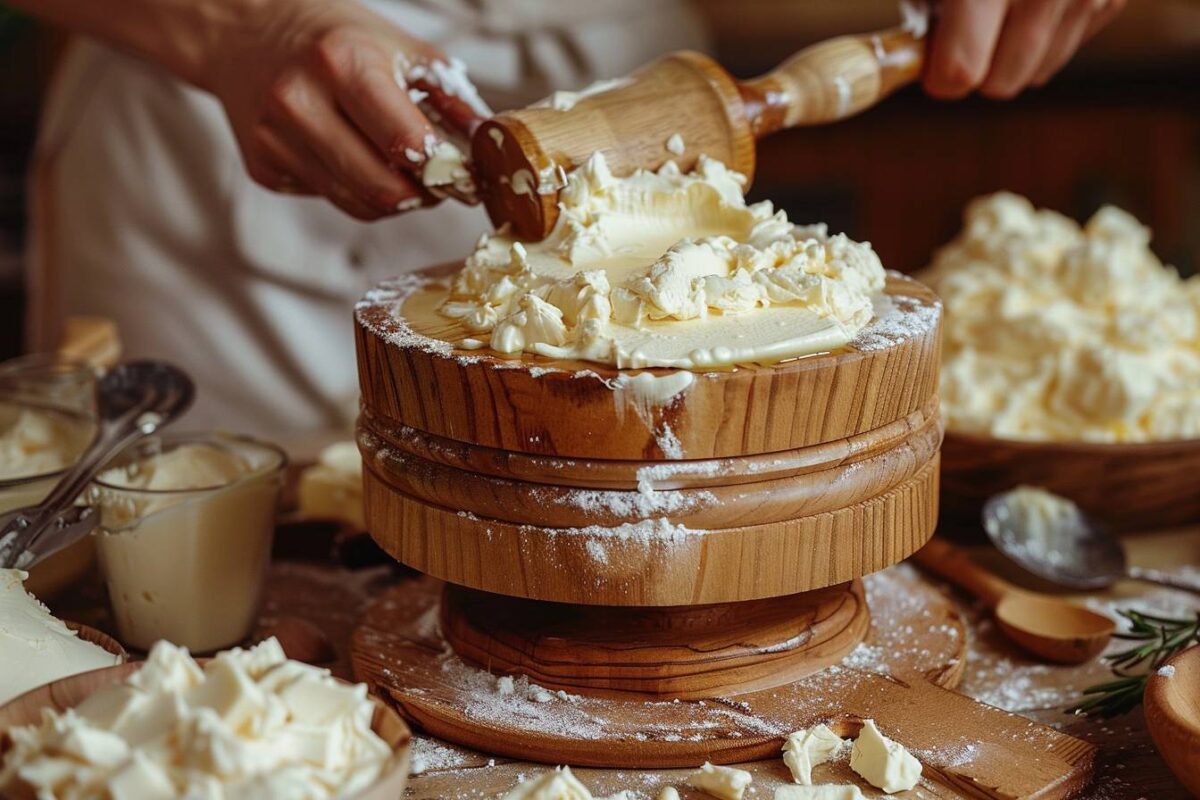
{"x": 1125, "y": 486}
{"x": 100, "y": 639}
{"x": 1173, "y": 717}
{"x": 69, "y": 692}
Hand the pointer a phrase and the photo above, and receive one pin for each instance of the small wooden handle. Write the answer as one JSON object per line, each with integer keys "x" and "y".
{"x": 955, "y": 565}
{"x": 832, "y": 80}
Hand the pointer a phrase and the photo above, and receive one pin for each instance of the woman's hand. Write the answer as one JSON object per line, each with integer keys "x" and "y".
{"x": 1003, "y": 46}
{"x": 311, "y": 91}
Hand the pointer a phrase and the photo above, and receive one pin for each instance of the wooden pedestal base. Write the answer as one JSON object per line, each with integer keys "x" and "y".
{"x": 685, "y": 652}
{"x": 898, "y": 676}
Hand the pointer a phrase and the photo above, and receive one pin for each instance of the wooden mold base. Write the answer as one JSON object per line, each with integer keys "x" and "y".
{"x": 900, "y": 676}
{"x": 684, "y": 652}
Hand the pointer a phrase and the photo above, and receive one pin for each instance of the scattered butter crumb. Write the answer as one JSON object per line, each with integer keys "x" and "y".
{"x": 804, "y": 750}
{"x": 726, "y": 783}
{"x": 882, "y": 762}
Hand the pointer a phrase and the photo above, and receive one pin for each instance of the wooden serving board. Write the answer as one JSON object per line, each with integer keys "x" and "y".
{"x": 901, "y": 682}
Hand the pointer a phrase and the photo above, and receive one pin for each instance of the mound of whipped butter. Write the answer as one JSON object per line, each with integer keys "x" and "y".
{"x": 1061, "y": 332}
{"x": 666, "y": 269}
{"x": 249, "y": 724}
{"x": 35, "y": 441}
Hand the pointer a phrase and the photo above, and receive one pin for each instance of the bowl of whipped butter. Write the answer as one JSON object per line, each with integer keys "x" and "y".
{"x": 248, "y": 723}
{"x": 46, "y": 421}
{"x": 185, "y": 533}
{"x": 1071, "y": 361}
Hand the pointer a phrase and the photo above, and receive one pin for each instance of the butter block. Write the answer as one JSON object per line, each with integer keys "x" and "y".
{"x": 804, "y": 750}
{"x": 726, "y": 783}
{"x": 883, "y": 763}
{"x": 320, "y": 700}
{"x": 141, "y": 779}
{"x": 332, "y": 488}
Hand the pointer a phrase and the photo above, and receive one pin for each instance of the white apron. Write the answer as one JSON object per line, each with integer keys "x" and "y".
{"x": 141, "y": 210}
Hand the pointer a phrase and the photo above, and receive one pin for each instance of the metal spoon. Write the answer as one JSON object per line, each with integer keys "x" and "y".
{"x": 1082, "y": 554}
{"x": 133, "y": 399}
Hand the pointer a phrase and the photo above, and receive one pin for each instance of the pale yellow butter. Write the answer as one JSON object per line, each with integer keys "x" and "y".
{"x": 666, "y": 269}
{"x": 1055, "y": 331}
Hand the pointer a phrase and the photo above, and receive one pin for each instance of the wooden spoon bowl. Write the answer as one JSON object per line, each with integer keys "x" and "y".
{"x": 70, "y": 692}
{"x": 1053, "y": 629}
{"x": 1127, "y": 486}
{"x": 1049, "y": 627}
{"x": 1173, "y": 717}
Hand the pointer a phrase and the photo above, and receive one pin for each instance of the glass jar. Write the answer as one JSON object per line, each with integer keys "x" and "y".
{"x": 186, "y": 563}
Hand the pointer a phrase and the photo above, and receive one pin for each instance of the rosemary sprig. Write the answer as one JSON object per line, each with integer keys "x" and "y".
{"x": 1160, "y": 638}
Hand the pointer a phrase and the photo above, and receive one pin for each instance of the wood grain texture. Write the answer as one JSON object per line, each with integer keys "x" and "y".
{"x": 516, "y": 153}
{"x": 648, "y": 568}
{"x": 396, "y": 652}
{"x": 1173, "y": 717}
{"x": 571, "y": 409}
{"x": 832, "y": 80}
{"x": 100, "y": 639}
{"x": 70, "y": 692}
{"x": 686, "y": 93}
{"x": 1125, "y": 486}
{"x": 717, "y": 493}
{"x": 684, "y": 652}
{"x": 1049, "y": 627}
{"x": 797, "y": 476}
{"x": 627, "y": 475}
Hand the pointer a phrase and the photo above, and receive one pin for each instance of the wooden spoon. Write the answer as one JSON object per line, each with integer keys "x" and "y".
{"x": 1173, "y": 716}
{"x": 1046, "y": 626}
{"x": 676, "y": 109}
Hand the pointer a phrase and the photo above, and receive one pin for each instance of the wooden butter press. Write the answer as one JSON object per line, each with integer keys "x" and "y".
{"x": 670, "y": 561}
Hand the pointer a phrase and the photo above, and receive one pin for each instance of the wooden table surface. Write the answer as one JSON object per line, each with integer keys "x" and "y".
{"x": 304, "y": 583}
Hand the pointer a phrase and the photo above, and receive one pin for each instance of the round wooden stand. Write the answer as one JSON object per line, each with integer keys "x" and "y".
{"x": 687, "y": 652}
{"x": 671, "y": 561}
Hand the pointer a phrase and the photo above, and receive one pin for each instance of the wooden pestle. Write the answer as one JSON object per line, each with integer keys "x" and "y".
{"x": 518, "y": 154}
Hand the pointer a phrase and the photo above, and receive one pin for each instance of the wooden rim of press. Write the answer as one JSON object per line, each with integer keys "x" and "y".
{"x": 655, "y": 562}
{"x": 710, "y": 494}
{"x": 413, "y": 373}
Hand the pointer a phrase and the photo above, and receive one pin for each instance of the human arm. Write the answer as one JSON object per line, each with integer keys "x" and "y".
{"x": 309, "y": 87}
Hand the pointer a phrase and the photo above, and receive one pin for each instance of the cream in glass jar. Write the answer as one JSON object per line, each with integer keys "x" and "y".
{"x": 186, "y": 525}
{"x": 46, "y": 421}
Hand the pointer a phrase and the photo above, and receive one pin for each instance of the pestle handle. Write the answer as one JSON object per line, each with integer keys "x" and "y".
{"x": 955, "y": 565}
{"x": 832, "y": 80}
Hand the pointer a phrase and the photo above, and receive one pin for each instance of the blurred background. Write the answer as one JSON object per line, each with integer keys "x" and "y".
{"x": 1120, "y": 125}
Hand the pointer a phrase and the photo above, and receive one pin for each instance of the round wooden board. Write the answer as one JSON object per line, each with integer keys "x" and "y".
{"x": 898, "y": 677}
{"x": 682, "y": 652}
{"x": 412, "y": 373}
